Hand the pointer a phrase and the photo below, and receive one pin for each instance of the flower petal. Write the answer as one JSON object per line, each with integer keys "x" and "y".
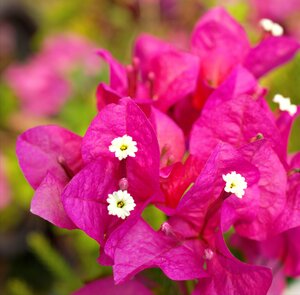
{"x": 47, "y": 202}
{"x": 218, "y": 30}
{"x": 48, "y": 149}
{"x": 269, "y": 54}
{"x": 116, "y": 120}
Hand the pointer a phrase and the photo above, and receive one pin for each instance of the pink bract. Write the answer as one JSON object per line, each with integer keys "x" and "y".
{"x": 44, "y": 93}
{"x": 197, "y": 215}
{"x": 49, "y": 157}
{"x": 85, "y": 196}
{"x": 177, "y": 81}
{"x": 41, "y": 83}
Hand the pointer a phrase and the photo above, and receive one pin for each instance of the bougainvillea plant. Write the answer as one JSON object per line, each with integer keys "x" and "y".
{"x": 191, "y": 133}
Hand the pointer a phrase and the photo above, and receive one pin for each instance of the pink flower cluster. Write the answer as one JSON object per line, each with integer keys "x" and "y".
{"x": 191, "y": 133}
{"x": 41, "y": 83}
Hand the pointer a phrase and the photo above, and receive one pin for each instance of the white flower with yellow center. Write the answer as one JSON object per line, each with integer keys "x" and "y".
{"x": 235, "y": 184}
{"x": 271, "y": 27}
{"x": 120, "y": 204}
{"x": 285, "y": 104}
{"x": 123, "y": 147}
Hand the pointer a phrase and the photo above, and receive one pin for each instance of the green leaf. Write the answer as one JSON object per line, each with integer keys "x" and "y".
{"x": 54, "y": 262}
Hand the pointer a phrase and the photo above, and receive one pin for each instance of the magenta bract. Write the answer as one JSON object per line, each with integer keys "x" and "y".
{"x": 85, "y": 197}
{"x": 117, "y": 120}
{"x": 192, "y": 237}
{"x": 177, "y": 81}
{"x": 49, "y": 157}
{"x": 168, "y": 133}
{"x": 269, "y": 54}
{"x": 217, "y": 30}
{"x": 234, "y": 115}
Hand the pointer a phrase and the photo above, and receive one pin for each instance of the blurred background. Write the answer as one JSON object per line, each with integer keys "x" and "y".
{"x": 49, "y": 74}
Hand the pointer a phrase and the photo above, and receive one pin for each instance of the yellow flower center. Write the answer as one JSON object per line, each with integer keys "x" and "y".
{"x": 232, "y": 185}
{"x": 120, "y": 204}
{"x": 123, "y": 147}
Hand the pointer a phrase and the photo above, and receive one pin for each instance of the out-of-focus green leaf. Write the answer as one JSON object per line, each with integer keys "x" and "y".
{"x": 239, "y": 11}
{"x": 55, "y": 263}
{"x": 8, "y": 103}
{"x": 18, "y": 287}
{"x": 21, "y": 190}
{"x": 286, "y": 80}
{"x": 154, "y": 217}
{"x": 87, "y": 251}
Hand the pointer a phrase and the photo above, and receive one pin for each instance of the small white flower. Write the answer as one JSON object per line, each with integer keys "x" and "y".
{"x": 285, "y": 104}
{"x": 277, "y": 30}
{"x": 123, "y": 147}
{"x": 266, "y": 24}
{"x": 292, "y": 109}
{"x": 120, "y": 204}
{"x": 278, "y": 98}
{"x": 271, "y": 27}
{"x": 235, "y": 184}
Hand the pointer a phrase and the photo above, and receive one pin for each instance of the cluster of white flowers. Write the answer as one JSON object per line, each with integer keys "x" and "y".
{"x": 271, "y": 27}
{"x": 120, "y": 202}
{"x": 235, "y": 184}
{"x": 285, "y": 104}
